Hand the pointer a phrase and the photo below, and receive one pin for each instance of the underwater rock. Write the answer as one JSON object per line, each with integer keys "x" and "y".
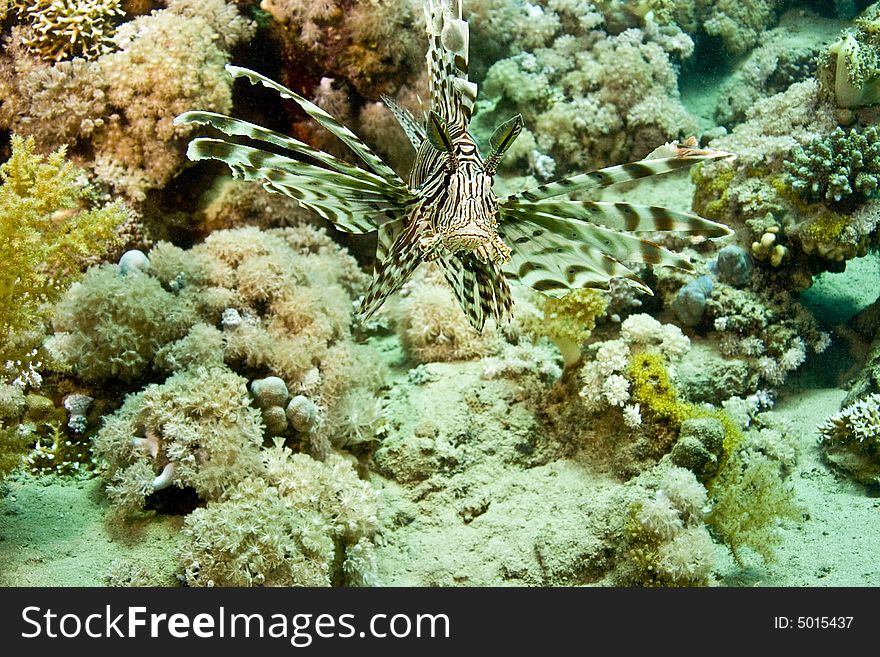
{"x": 689, "y": 304}
{"x": 133, "y": 260}
{"x": 699, "y": 447}
{"x": 271, "y": 391}
{"x": 303, "y": 414}
{"x": 733, "y": 265}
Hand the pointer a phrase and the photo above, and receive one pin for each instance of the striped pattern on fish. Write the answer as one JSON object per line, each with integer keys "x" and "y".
{"x": 447, "y": 212}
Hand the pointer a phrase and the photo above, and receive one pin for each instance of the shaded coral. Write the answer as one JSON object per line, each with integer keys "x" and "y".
{"x": 785, "y": 55}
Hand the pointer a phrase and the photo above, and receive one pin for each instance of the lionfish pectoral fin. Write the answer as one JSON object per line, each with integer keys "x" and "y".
{"x": 557, "y": 254}
{"x": 400, "y": 261}
{"x": 618, "y": 174}
{"x": 479, "y": 287}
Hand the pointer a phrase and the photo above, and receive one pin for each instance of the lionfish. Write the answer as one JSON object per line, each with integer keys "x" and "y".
{"x": 448, "y": 212}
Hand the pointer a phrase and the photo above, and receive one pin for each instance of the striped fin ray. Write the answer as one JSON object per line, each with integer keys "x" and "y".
{"x": 345, "y": 135}
{"x": 414, "y": 132}
{"x": 479, "y": 287}
{"x": 236, "y": 127}
{"x": 352, "y": 204}
{"x": 625, "y": 216}
{"x": 452, "y": 94}
{"x": 550, "y": 235}
{"x": 402, "y": 259}
{"x": 555, "y": 255}
{"x": 612, "y": 176}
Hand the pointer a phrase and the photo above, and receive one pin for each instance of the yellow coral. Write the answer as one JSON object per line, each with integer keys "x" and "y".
{"x": 45, "y": 238}
{"x": 652, "y": 389}
{"x": 568, "y": 321}
{"x": 62, "y": 29}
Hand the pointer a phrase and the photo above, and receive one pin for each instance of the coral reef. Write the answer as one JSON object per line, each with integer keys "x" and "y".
{"x": 62, "y": 29}
{"x": 116, "y": 110}
{"x": 49, "y": 230}
{"x": 303, "y": 523}
{"x": 588, "y": 99}
{"x": 785, "y": 55}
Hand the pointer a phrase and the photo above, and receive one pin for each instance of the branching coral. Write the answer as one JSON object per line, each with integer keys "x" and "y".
{"x": 61, "y": 29}
{"x": 838, "y": 166}
{"x": 751, "y": 474}
{"x": 852, "y": 438}
{"x": 48, "y": 232}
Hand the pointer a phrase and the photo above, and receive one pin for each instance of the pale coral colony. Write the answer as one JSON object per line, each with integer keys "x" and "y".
{"x": 188, "y": 344}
